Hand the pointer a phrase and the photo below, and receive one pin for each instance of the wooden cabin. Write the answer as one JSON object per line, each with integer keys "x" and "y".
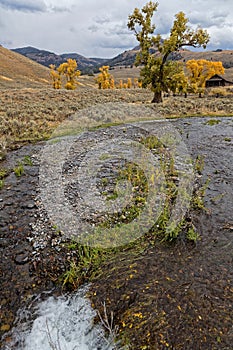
{"x": 218, "y": 80}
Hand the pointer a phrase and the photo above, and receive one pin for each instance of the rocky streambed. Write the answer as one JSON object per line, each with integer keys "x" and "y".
{"x": 183, "y": 294}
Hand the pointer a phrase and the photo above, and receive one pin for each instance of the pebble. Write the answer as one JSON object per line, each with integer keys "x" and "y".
{"x": 21, "y": 259}
{"x": 3, "y": 242}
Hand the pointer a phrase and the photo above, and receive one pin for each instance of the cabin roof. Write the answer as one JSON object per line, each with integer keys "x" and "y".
{"x": 218, "y": 77}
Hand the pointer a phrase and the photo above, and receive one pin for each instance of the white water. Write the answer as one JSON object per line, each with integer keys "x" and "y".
{"x": 63, "y": 323}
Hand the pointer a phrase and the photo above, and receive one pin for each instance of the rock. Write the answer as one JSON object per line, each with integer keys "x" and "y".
{"x": 31, "y": 205}
{"x": 28, "y": 205}
{"x": 21, "y": 259}
{"x": 3, "y": 242}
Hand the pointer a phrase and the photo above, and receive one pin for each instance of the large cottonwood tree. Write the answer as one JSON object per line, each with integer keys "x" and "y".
{"x": 157, "y": 69}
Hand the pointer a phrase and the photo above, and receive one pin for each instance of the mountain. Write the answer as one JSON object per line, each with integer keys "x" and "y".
{"x": 84, "y": 62}
{"x": 19, "y": 71}
{"x": 225, "y": 56}
{"x": 40, "y": 56}
{"x": 126, "y": 58}
{"x": 86, "y": 65}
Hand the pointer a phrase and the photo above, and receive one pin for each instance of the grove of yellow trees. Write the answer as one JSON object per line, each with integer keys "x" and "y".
{"x": 194, "y": 80}
{"x": 199, "y": 71}
{"x": 106, "y": 81}
{"x": 69, "y": 71}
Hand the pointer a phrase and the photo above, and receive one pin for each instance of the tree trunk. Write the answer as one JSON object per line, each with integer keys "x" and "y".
{"x": 157, "y": 97}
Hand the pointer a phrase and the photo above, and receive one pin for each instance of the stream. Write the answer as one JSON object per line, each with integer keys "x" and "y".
{"x": 63, "y": 323}
{"x": 66, "y": 321}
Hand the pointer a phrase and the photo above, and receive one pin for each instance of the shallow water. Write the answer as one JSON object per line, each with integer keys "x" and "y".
{"x": 63, "y": 323}
{"x": 68, "y": 319}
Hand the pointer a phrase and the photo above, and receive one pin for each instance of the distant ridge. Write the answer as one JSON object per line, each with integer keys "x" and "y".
{"x": 126, "y": 58}
{"x": 86, "y": 65}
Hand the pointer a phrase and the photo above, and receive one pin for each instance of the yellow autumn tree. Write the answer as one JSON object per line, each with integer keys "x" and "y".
{"x": 140, "y": 84}
{"x": 177, "y": 81}
{"x": 105, "y": 79}
{"x": 199, "y": 71}
{"x": 112, "y": 82}
{"x": 120, "y": 84}
{"x": 56, "y": 77}
{"x": 156, "y": 69}
{"x": 71, "y": 73}
{"x": 129, "y": 83}
{"x": 135, "y": 82}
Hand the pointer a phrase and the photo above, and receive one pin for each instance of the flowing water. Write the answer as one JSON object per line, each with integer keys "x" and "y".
{"x": 66, "y": 322}
{"x": 63, "y": 323}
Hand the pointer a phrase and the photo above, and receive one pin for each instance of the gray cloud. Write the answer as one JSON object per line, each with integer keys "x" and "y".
{"x": 6, "y": 42}
{"x": 24, "y": 5}
{"x": 59, "y": 9}
{"x": 112, "y": 43}
{"x": 102, "y": 20}
{"x": 99, "y": 29}
{"x": 208, "y": 19}
{"x": 117, "y": 29}
{"x": 93, "y": 28}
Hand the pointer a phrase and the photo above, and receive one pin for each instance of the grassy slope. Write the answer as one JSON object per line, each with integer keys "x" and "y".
{"x": 17, "y": 71}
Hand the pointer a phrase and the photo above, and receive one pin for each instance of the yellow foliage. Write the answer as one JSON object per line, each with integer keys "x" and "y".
{"x": 67, "y": 69}
{"x": 121, "y": 84}
{"x": 56, "y": 77}
{"x": 200, "y": 71}
{"x": 129, "y": 83}
{"x": 112, "y": 83}
{"x": 105, "y": 79}
{"x": 140, "y": 84}
{"x": 135, "y": 82}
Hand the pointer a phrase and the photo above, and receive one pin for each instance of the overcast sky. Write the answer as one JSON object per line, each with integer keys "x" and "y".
{"x": 98, "y": 28}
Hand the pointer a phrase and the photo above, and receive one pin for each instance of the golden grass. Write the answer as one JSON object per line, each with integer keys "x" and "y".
{"x": 17, "y": 71}
{"x": 28, "y": 115}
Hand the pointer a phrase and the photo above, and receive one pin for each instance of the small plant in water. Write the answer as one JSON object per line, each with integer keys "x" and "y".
{"x": 19, "y": 169}
{"x": 192, "y": 235}
{"x": 70, "y": 276}
{"x": 88, "y": 262}
{"x": 1, "y": 184}
{"x": 198, "y": 196}
{"x": 212, "y": 122}
{"x": 27, "y": 161}
{"x": 199, "y": 164}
